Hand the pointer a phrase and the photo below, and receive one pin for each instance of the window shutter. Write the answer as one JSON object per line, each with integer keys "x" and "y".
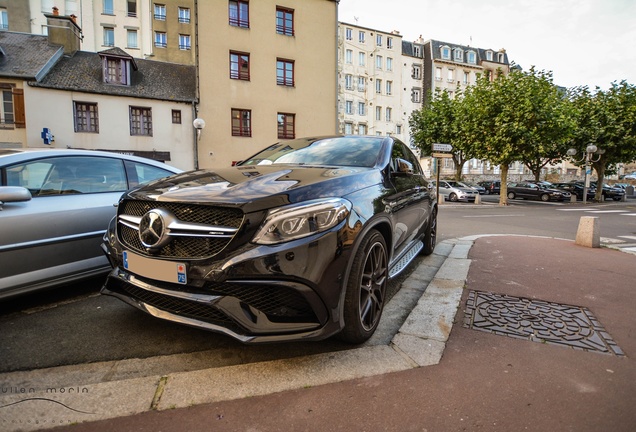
{"x": 18, "y": 108}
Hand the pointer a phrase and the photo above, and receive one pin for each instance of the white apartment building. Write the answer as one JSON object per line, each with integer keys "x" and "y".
{"x": 370, "y": 82}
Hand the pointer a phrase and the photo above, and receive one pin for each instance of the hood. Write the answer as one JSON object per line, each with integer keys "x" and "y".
{"x": 255, "y": 188}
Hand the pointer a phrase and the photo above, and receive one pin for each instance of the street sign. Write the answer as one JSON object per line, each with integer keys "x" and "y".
{"x": 442, "y": 155}
{"x": 442, "y": 147}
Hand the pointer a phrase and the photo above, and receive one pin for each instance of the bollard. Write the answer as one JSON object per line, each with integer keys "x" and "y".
{"x": 478, "y": 199}
{"x": 588, "y": 234}
{"x": 573, "y": 198}
{"x": 440, "y": 199}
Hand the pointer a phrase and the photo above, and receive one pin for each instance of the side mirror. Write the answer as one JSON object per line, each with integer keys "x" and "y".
{"x": 403, "y": 167}
{"x": 13, "y": 194}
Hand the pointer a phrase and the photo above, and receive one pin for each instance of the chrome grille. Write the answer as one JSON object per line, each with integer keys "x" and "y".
{"x": 181, "y": 247}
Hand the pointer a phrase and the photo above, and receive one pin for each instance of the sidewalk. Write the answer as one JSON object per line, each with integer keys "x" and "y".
{"x": 574, "y": 373}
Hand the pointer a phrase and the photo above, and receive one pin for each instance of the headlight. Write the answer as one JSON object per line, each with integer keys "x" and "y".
{"x": 301, "y": 220}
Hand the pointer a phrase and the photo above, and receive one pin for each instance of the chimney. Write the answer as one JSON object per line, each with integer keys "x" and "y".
{"x": 63, "y": 30}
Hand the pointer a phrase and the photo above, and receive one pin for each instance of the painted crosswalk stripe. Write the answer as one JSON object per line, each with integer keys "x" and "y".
{"x": 576, "y": 209}
{"x": 606, "y": 211}
{"x": 628, "y": 237}
{"x": 628, "y": 214}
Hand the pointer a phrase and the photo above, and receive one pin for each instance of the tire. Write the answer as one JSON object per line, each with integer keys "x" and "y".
{"x": 545, "y": 197}
{"x": 366, "y": 289}
{"x": 511, "y": 195}
{"x": 452, "y": 197}
{"x": 430, "y": 237}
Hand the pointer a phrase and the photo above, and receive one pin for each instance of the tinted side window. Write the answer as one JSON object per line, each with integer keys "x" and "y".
{"x": 141, "y": 173}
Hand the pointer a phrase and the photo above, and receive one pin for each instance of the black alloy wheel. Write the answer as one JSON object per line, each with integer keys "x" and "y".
{"x": 430, "y": 237}
{"x": 366, "y": 289}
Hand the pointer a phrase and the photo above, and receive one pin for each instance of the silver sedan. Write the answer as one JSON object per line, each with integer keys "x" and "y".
{"x": 55, "y": 205}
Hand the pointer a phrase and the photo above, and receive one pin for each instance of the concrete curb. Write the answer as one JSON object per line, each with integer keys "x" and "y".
{"x": 52, "y": 397}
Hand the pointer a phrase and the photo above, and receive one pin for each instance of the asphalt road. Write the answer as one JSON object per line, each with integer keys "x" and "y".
{"x": 75, "y": 325}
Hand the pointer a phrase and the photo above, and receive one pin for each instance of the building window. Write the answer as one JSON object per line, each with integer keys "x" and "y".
{"x": 348, "y": 56}
{"x": 378, "y": 113}
{"x": 362, "y": 129}
{"x": 239, "y": 13}
{"x": 416, "y": 95}
{"x": 160, "y": 12}
{"x": 348, "y": 128}
{"x": 362, "y": 58}
{"x": 116, "y": 71}
{"x": 389, "y": 42}
{"x": 109, "y": 36}
{"x": 378, "y": 40}
{"x": 348, "y": 107}
{"x": 445, "y": 53}
{"x": 349, "y": 82}
{"x": 489, "y": 55}
{"x": 361, "y": 36}
{"x": 459, "y": 55}
{"x": 417, "y": 72}
{"x": 140, "y": 121}
{"x": 131, "y": 39}
{"x": 85, "y": 115}
{"x": 438, "y": 74}
{"x": 378, "y": 86}
{"x": 284, "y": 21}
{"x": 362, "y": 83}
{"x": 239, "y": 66}
{"x": 348, "y": 34}
{"x": 451, "y": 75}
{"x": 176, "y": 116}
{"x": 389, "y": 87}
{"x": 161, "y": 39}
{"x": 378, "y": 62}
{"x": 285, "y": 72}
{"x": 388, "y": 114}
{"x": 184, "y": 15}
{"x": 398, "y": 129}
{"x": 131, "y": 8}
{"x": 472, "y": 58}
{"x": 4, "y": 19}
{"x": 361, "y": 108}
{"x": 466, "y": 75}
{"x": 6, "y": 108}
{"x": 286, "y": 126}
{"x": 389, "y": 64}
{"x": 184, "y": 42}
{"x": 241, "y": 122}
{"x": 500, "y": 57}
{"x": 108, "y": 8}
{"x": 417, "y": 51}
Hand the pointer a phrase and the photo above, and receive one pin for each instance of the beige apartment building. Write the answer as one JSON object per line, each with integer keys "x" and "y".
{"x": 267, "y": 72}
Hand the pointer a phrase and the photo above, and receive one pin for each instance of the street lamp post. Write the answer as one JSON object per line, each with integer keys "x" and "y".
{"x": 587, "y": 157}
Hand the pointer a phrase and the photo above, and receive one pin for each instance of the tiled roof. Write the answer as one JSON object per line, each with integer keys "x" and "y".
{"x": 481, "y": 52}
{"x": 152, "y": 79}
{"x": 29, "y": 64}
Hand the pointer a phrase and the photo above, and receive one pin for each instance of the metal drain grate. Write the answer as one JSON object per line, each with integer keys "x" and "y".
{"x": 538, "y": 321}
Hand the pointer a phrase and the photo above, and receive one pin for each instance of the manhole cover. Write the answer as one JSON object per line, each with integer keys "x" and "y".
{"x": 538, "y": 321}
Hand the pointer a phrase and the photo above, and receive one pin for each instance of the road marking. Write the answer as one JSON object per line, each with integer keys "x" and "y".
{"x": 611, "y": 240}
{"x": 628, "y": 237}
{"x": 628, "y": 214}
{"x": 606, "y": 211}
{"x": 497, "y": 215}
{"x": 576, "y": 209}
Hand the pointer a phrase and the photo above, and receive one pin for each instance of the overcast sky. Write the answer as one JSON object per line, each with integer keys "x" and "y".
{"x": 583, "y": 42}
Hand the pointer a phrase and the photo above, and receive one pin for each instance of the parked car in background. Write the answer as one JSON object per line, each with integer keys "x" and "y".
{"x": 478, "y": 188}
{"x": 527, "y": 190}
{"x": 491, "y": 186}
{"x": 294, "y": 243}
{"x": 456, "y": 191}
{"x": 575, "y": 189}
{"x": 609, "y": 192}
{"x": 56, "y": 206}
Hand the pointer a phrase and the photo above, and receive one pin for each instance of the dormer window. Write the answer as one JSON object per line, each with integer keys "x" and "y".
{"x": 489, "y": 55}
{"x": 500, "y": 57}
{"x": 446, "y": 53}
{"x": 117, "y": 67}
{"x": 459, "y": 55}
{"x": 472, "y": 57}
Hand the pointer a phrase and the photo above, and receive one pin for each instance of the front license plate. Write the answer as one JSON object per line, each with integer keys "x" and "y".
{"x": 167, "y": 271}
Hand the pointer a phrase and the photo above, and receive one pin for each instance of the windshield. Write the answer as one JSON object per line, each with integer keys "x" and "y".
{"x": 339, "y": 151}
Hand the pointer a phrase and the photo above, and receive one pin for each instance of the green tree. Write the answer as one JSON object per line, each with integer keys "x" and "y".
{"x": 606, "y": 119}
{"x": 438, "y": 122}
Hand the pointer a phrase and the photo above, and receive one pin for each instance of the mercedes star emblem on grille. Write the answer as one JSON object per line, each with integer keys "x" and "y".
{"x": 153, "y": 229}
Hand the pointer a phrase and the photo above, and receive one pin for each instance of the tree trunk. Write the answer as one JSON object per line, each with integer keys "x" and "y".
{"x": 503, "y": 191}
